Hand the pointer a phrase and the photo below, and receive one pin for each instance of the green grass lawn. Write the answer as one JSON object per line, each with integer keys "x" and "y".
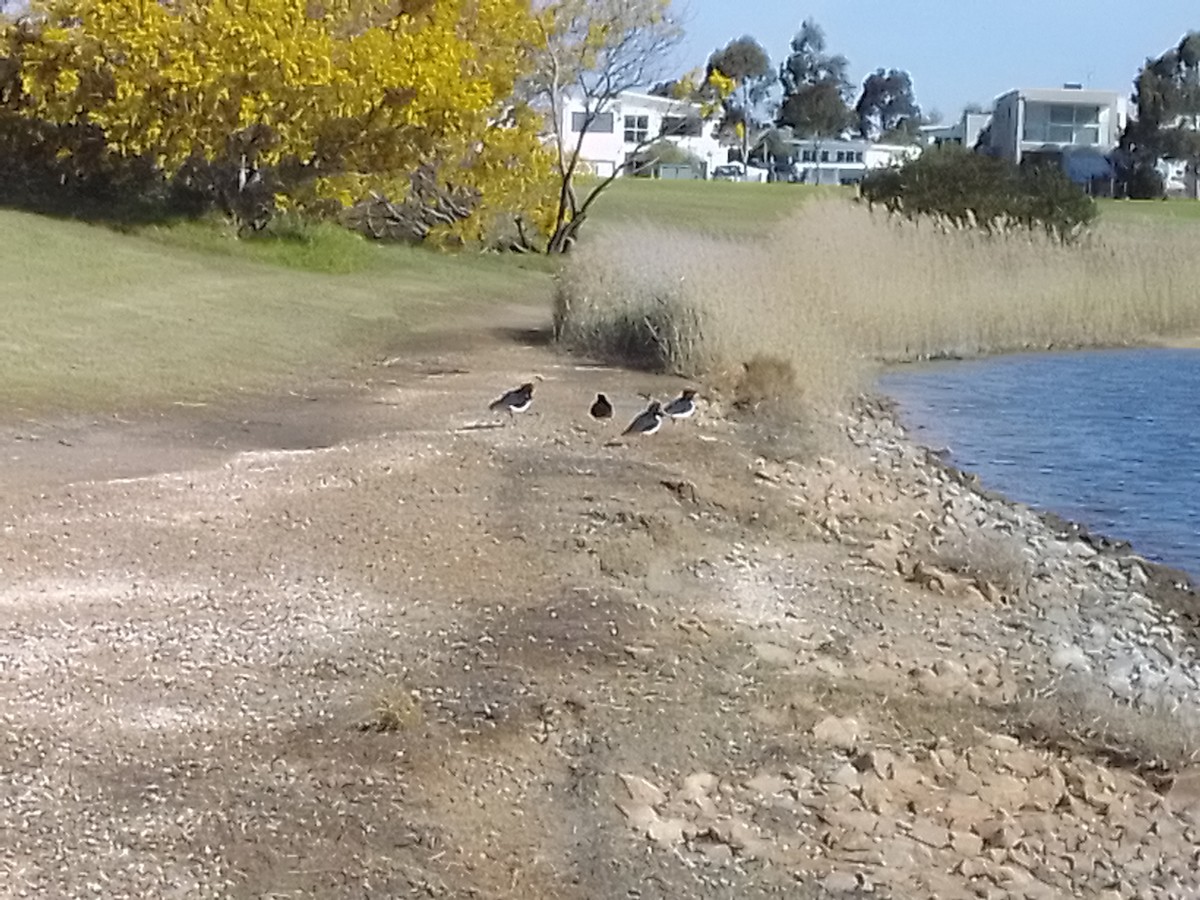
{"x": 101, "y": 320}
{"x": 727, "y": 207}
{"x": 1183, "y": 211}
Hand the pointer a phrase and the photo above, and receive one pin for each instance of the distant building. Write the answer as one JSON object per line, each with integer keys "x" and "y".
{"x": 963, "y": 133}
{"x": 1070, "y": 127}
{"x": 633, "y": 118}
{"x": 839, "y": 161}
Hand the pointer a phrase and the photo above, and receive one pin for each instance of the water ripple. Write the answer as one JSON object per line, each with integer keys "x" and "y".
{"x": 1107, "y": 438}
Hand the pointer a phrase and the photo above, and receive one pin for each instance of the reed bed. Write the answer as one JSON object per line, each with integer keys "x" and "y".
{"x": 837, "y": 289}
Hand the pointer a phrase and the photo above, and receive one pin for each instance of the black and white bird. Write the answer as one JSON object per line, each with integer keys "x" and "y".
{"x": 601, "y": 409}
{"x": 515, "y": 401}
{"x": 682, "y": 406}
{"x": 648, "y": 421}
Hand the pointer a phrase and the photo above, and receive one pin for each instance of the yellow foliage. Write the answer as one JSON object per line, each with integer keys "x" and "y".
{"x": 359, "y": 93}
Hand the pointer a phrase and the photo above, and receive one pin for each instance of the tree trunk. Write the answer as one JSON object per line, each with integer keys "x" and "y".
{"x": 564, "y": 235}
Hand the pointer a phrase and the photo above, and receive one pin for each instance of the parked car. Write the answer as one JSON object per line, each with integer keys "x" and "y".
{"x": 729, "y": 172}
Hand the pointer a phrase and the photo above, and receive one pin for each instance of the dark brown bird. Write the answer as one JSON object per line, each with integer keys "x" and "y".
{"x": 601, "y": 409}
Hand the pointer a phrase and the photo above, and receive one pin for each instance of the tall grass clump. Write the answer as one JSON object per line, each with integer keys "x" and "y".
{"x": 837, "y": 287}
{"x": 904, "y": 291}
{"x": 696, "y": 305}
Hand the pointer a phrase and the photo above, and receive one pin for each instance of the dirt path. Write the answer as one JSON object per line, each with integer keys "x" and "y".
{"x": 366, "y": 645}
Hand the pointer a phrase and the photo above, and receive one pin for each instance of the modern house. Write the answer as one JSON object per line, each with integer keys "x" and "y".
{"x": 842, "y": 161}
{"x": 1071, "y": 127}
{"x": 631, "y": 120}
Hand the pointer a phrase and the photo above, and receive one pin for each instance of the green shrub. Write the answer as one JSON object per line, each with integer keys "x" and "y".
{"x": 969, "y": 190}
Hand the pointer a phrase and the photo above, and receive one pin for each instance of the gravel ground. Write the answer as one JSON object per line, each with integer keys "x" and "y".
{"x": 373, "y": 641}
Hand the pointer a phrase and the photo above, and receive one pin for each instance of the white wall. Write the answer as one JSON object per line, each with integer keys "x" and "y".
{"x": 847, "y": 159}
{"x": 1024, "y": 120}
{"x": 604, "y": 145}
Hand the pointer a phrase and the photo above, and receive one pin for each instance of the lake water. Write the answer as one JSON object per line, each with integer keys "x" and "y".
{"x": 1110, "y": 439}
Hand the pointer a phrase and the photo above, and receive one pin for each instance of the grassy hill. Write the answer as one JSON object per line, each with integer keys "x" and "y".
{"x": 97, "y": 319}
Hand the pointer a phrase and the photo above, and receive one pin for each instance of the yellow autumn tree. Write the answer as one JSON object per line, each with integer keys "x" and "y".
{"x": 335, "y": 100}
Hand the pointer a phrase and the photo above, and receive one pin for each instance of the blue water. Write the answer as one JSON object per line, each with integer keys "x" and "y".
{"x": 1110, "y": 439}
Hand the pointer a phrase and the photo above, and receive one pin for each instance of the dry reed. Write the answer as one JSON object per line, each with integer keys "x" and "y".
{"x": 837, "y": 288}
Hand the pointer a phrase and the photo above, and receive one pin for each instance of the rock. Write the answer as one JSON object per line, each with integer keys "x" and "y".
{"x": 843, "y": 733}
{"x": 640, "y": 815}
{"x": 1003, "y": 742}
{"x": 642, "y": 791}
{"x": 964, "y": 843}
{"x": 1001, "y": 832}
{"x": 881, "y": 762}
{"x": 774, "y": 655}
{"x": 1002, "y": 792}
{"x": 767, "y": 785}
{"x": 718, "y": 854}
{"x": 843, "y": 822}
{"x": 669, "y": 832}
{"x": 742, "y": 838}
{"x": 696, "y": 786}
{"x": 841, "y": 883}
{"x": 876, "y": 796}
{"x": 930, "y": 834}
{"x": 972, "y": 868}
{"x": 932, "y": 684}
{"x": 1066, "y": 658}
{"x": 966, "y": 813}
{"x": 847, "y": 776}
{"x": 907, "y": 780}
{"x": 903, "y": 852}
{"x": 967, "y": 782}
{"x": 1023, "y": 763}
{"x": 1184, "y": 795}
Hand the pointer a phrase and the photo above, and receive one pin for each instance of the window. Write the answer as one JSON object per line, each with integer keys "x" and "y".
{"x": 858, "y": 157}
{"x": 637, "y": 129}
{"x": 808, "y": 156}
{"x": 841, "y": 156}
{"x": 682, "y": 126}
{"x": 601, "y": 124}
{"x": 1062, "y": 123}
{"x": 824, "y": 156}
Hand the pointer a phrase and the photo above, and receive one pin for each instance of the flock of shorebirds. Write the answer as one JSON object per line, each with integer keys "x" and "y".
{"x": 648, "y": 421}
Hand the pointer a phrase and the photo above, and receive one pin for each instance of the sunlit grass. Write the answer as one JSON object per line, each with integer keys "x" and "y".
{"x": 718, "y": 207}
{"x": 1171, "y": 211}
{"x": 97, "y": 319}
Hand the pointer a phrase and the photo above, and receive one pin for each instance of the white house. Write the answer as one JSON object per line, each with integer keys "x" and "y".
{"x": 839, "y": 161}
{"x": 633, "y": 118}
{"x": 1068, "y": 126}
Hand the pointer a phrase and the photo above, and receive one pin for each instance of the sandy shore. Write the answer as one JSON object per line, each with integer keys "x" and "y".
{"x": 369, "y": 644}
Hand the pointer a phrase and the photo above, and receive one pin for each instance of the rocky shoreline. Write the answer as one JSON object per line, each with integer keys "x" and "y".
{"x": 1085, "y": 782}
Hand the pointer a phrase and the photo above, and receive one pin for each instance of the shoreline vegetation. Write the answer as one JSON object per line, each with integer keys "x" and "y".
{"x": 836, "y": 291}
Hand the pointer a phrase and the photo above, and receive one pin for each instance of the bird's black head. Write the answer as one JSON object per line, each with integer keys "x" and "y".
{"x": 689, "y": 394}
{"x": 527, "y": 387}
{"x": 655, "y": 407}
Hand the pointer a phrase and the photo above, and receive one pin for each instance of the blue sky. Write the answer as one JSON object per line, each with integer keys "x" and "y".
{"x": 958, "y": 51}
